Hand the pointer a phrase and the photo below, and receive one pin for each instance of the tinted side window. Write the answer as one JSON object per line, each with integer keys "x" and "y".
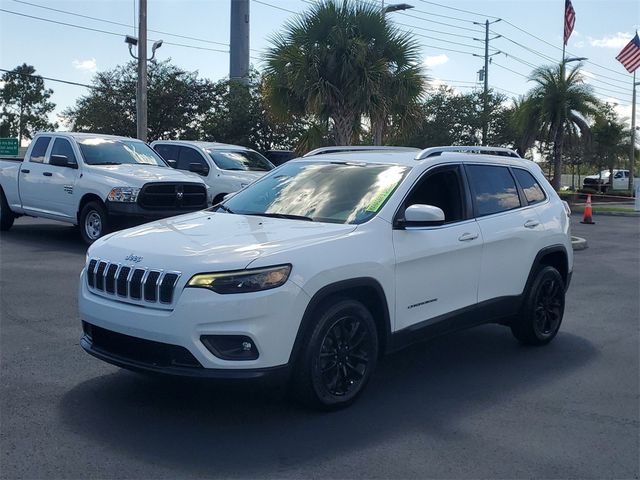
{"x": 188, "y": 156}
{"x": 39, "y": 149}
{"x": 168, "y": 152}
{"x": 532, "y": 190}
{"x": 494, "y": 189}
{"x": 63, "y": 147}
{"x": 441, "y": 189}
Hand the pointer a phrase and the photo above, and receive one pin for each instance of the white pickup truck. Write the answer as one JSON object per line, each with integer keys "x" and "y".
{"x": 602, "y": 181}
{"x": 95, "y": 181}
{"x": 225, "y": 168}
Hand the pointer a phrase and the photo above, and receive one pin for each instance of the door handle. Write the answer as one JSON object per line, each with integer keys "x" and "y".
{"x": 531, "y": 224}
{"x": 465, "y": 237}
{"x": 24, "y": 170}
{"x": 47, "y": 174}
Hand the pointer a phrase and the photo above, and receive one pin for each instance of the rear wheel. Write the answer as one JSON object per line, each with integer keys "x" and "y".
{"x": 6, "y": 215}
{"x": 338, "y": 357}
{"x": 93, "y": 222}
{"x": 542, "y": 312}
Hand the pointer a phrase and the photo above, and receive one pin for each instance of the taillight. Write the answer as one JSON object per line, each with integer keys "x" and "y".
{"x": 567, "y": 208}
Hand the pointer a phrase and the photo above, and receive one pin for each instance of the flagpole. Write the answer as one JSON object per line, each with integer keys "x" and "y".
{"x": 632, "y": 152}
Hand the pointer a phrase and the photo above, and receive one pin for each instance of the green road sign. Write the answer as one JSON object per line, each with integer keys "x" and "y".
{"x": 9, "y": 146}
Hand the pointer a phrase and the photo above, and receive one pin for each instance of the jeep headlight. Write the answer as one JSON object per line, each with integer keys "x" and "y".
{"x": 123, "y": 194}
{"x": 242, "y": 281}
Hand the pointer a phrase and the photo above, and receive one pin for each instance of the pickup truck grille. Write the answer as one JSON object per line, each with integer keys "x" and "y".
{"x": 128, "y": 283}
{"x": 178, "y": 196}
{"x": 594, "y": 181}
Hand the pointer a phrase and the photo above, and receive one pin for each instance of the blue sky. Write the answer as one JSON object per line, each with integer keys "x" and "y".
{"x": 602, "y": 29}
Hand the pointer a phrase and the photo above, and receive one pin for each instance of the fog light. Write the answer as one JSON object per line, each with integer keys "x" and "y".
{"x": 230, "y": 347}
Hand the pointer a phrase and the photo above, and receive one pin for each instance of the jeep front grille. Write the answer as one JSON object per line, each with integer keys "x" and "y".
{"x": 130, "y": 283}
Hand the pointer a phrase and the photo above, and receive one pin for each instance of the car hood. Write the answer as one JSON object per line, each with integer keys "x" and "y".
{"x": 209, "y": 241}
{"x": 138, "y": 175}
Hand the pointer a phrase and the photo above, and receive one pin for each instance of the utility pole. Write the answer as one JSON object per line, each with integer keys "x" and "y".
{"x": 141, "y": 97}
{"x": 239, "y": 41}
{"x": 141, "y": 88}
{"x": 632, "y": 152}
{"x": 485, "y": 96}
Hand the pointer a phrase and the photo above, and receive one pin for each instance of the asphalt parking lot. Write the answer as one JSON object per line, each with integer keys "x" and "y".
{"x": 471, "y": 405}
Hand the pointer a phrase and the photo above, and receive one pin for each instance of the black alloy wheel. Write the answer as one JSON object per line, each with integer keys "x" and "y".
{"x": 338, "y": 356}
{"x": 542, "y": 310}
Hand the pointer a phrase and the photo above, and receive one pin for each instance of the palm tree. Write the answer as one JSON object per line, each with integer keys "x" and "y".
{"x": 339, "y": 61}
{"x": 560, "y": 104}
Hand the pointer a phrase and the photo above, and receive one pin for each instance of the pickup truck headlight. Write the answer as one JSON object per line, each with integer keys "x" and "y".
{"x": 123, "y": 194}
{"x": 242, "y": 281}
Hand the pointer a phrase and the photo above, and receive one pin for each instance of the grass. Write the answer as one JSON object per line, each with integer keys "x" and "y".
{"x": 604, "y": 209}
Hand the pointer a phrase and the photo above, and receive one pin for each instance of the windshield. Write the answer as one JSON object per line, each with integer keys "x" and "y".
{"x": 323, "y": 192}
{"x": 240, "y": 160}
{"x": 109, "y": 151}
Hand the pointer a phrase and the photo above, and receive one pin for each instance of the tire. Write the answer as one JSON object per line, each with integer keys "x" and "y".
{"x": 6, "y": 215}
{"x": 541, "y": 315}
{"x": 328, "y": 374}
{"x": 94, "y": 222}
{"x": 218, "y": 199}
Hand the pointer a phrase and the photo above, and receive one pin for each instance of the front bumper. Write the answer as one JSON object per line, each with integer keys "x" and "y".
{"x": 138, "y": 355}
{"x": 270, "y": 319}
{"x": 122, "y": 212}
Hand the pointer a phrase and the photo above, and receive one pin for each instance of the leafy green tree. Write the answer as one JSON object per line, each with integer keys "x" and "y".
{"x": 560, "y": 104}
{"x": 178, "y": 102}
{"x": 611, "y": 140}
{"x": 25, "y": 104}
{"x": 339, "y": 61}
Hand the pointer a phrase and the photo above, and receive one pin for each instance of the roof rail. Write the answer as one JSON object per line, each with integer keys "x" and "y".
{"x": 435, "y": 151}
{"x": 358, "y": 148}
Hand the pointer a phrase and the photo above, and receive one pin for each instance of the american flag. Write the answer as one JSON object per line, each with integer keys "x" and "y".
{"x": 569, "y": 20}
{"x": 629, "y": 57}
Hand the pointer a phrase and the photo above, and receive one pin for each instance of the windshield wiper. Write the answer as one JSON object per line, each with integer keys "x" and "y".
{"x": 226, "y": 209}
{"x": 106, "y": 163}
{"x": 281, "y": 215}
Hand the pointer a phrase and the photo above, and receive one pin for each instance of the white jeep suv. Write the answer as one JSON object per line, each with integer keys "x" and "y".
{"x": 329, "y": 261}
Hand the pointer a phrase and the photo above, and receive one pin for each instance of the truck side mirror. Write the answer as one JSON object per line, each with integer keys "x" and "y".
{"x": 62, "y": 161}
{"x": 198, "y": 168}
{"x": 172, "y": 163}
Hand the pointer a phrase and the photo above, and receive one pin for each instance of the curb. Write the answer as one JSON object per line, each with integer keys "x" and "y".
{"x": 630, "y": 213}
{"x": 579, "y": 243}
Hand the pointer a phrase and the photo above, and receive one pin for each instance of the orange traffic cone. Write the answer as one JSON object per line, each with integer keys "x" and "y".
{"x": 588, "y": 212}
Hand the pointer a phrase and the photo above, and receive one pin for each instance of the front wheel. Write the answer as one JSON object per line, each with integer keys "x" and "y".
{"x": 338, "y": 357}
{"x": 6, "y": 215}
{"x": 543, "y": 308}
{"x": 93, "y": 222}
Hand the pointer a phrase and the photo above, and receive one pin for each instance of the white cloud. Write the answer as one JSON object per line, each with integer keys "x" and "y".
{"x": 86, "y": 65}
{"x": 616, "y": 40}
{"x": 578, "y": 44}
{"x": 436, "y": 60}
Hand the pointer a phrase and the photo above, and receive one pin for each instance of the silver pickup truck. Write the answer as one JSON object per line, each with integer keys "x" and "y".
{"x": 98, "y": 182}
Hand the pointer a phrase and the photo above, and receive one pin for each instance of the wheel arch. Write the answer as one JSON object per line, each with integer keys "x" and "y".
{"x": 554, "y": 256}
{"x": 86, "y": 198}
{"x": 366, "y": 290}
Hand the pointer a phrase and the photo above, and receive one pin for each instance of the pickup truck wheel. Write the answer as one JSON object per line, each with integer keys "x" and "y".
{"x": 543, "y": 308}
{"x": 338, "y": 357}
{"x": 93, "y": 222}
{"x": 6, "y": 215}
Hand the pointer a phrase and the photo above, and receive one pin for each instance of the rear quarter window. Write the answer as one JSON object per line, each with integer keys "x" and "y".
{"x": 533, "y": 192}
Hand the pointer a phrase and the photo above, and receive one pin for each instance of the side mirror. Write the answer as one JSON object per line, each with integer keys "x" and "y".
{"x": 421, "y": 216}
{"x": 198, "y": 168}
{"x": 61, "y": 161}
{"x": 172, "y": 163}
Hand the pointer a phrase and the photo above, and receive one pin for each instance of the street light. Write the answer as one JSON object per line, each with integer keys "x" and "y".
{"x": 574, "y": 59}
{"x": 133, "y": 42}
{"x": 395, "y": 7}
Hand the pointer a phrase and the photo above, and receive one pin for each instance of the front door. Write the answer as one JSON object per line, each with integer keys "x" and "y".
{"x": 437, "y": 268}
{"x": 59, "y": 186}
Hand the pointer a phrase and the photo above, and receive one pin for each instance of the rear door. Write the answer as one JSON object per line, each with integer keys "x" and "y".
{"x": 32, "y": 181}
{"x": 511, "y": 230}
{"x": 437, "y": 268}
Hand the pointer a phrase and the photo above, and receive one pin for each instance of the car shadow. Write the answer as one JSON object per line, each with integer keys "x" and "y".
{"x": 39, "y": 235}
{"x": 243, "y": 430}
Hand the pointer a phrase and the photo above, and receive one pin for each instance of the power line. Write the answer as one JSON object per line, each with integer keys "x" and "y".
{"x": 276, "y": 7}
{"x": 457, "y": 9}
{"x": 75, "y": 14}
{"x": 106, "y": 32}
{"x": 47, "y": 78}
